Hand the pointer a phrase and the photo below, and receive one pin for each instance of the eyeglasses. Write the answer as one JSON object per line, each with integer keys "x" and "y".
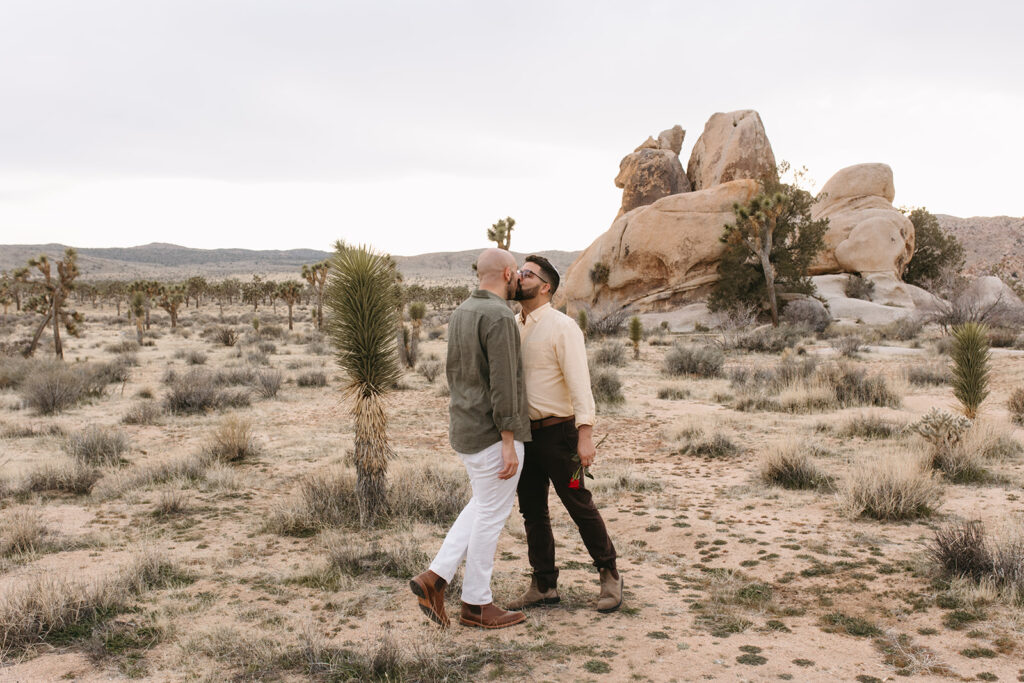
{"x": 529, "y": 273}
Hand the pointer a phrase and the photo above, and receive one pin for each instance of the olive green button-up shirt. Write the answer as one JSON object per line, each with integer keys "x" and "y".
{"x": 485, "y": 375}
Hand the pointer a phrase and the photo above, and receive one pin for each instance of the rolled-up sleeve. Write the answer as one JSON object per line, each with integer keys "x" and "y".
{"x": 571, "y": 352}
{"x": 502, "y": 347}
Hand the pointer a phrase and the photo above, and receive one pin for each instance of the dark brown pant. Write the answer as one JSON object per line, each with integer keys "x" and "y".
{"x": 549, "y": 458}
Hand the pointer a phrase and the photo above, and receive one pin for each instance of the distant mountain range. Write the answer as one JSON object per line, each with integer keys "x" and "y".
{"x": 988, "y": 240}
{"x": 161, "y": 261}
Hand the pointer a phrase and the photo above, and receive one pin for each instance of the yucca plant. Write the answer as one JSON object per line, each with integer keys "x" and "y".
{"x": 970, "y": 357}
{"x": 362, "y": 297}
{"x": 636, "y": 333}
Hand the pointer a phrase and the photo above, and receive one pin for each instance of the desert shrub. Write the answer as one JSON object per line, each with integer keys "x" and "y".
{"x": 123, "y": 346}
{"x": 325, "y": 499}
{"x": 267, "y": 347}
{"x": 854, "y": 387}
{"x": 170, "y": 502}
{"x": 904, "y": 329}
{"x": 318, "y": 348}
{"x": 673, "y": 393}
{"x": 870, "y": 426}
{"x": 268, "y": 382}
{"x": 857, "y": 287}
{"x": 312, "y": 378}
{"x": 609, "y": 325}
{"x": 257, "y": 358}
{"x": 610, "y": 354}
{"x": 52, "y": 389}
{"x": 935, "y": 250}
{"x": 766, "y": 339}
{"x": 429, "y": 493}
{"x": 13, "y": 370}
{"x": 21, "y": 531}
{"x": 890, "y": 489}
{"x": 399, "y": 557}
{"x": 143, "y": 413}
{"x": 1002, "y": 338}
{"x": 232, "y": 441}
{"x": 232, "y": 377}
{"x": 970, "y": 357}
{"x": 226, "y": 336}
{"x": 792, "y": 468}
{"x": 718, "y": 445}
{"x": 701, "y": 361}
{"x": 1015, "y": 404}
{"x": 965, "y": 549}
{"x": 129, "y": 360}
{"x": 97, "y": 445}
{"x": 992, "y": 442}
{"x": 191, "y": 468}
{"x": 611, "y": 480}
{"x": 847, "y": 346}
{"x": 809, "y": 314}
{"x": 430, "y": 369}
{"x": 606, "y": 386}
{"x": 435, "y": 333}
{"x": 271, "y": 332}
{"x": 64, "y": 476}
{"x": 198, "y": 392}
{"x": 933, "y": 374}
{"x": 195, "y": 357}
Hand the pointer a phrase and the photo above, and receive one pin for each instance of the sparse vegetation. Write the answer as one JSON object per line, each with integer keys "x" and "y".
{"x": 97, "y": 445}
{"x": 890, "y": 489}
{"x": 312, "y": 378}
{"x": 606, "y": 386}
{"x": 232, "y": 441}
{"x": 792, "y": 468}
{"x": 610, "y": 353}
{"x": 700, "y": 361}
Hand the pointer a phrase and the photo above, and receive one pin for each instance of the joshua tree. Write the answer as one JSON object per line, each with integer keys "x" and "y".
{"x": 252, "y": 292}
{"x": 195, "y": 287}
{"x": 970, "y": 366}
{"x": 148, "y": 289}
{"x": 417, "y": 311}
{"x": 636, "y": 333}
{"x": 51, "y": 301}
{"x": 289, "y": 291}
{"x": 364, "y": 299}
{"x": 170, "y": 299}
{"x": 137, "y": 306}
{"x": 316, "y": 276}
{"x": 501, "y": 232}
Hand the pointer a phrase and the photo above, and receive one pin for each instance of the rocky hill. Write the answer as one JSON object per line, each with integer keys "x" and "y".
{"x": 160, "y": 261}
{"x": 988, "y": 241}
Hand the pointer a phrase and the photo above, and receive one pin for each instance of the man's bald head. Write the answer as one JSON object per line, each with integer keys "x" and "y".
{"x": 493, "y": 262}
{"x": 496, "y": 269}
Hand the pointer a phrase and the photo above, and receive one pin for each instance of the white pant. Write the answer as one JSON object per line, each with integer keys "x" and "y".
{"x": 474, "y": 536}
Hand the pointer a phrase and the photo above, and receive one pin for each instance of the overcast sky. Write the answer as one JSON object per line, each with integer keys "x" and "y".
{"x": 413, "y": 126}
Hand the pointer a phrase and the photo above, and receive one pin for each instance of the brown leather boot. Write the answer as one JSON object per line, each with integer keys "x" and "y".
{"x": 429, "y": 588}
{"x": 611, "y": 591}
{"x": 489, "y": 616}
{"x": 535, "y": 596}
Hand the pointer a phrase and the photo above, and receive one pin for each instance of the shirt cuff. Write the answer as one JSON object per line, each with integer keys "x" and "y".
{"x": 507, "y": 424}
{"x": 584, "y": 420}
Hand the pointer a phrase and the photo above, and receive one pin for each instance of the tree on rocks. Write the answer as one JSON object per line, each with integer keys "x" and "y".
{"x": 364, "y": 299}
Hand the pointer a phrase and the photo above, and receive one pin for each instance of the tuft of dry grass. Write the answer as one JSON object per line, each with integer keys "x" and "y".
{"x": 871, "y": 426}
{"x": 143, "y": 413}
{"x": 699, "y": 361}
{"x": 52, "y": 388}
{"x": 312, "y": 378}
{"x": 791, "y": 467}
{"x": 232, "y": 441}
{"x": 97, "y": 445}
{"x": 1015, "y": 404}
{"x": 188, "y": 468}
{"x": 396, "y": 556}
{"x": 893, "y": 488}
{"x": 170, "y": 502}
{"x": 22, "y": 531}
{"x": 268, "y": 382}
{"x": 64, "y": 476}
{"x": 965, "y": 549}
{"x": 431, "y": 493}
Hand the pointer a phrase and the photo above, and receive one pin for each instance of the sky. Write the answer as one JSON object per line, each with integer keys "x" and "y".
{"x": 413, "y": 126}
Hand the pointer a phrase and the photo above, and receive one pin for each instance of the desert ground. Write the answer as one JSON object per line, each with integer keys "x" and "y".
{"x": 219, "y": 543}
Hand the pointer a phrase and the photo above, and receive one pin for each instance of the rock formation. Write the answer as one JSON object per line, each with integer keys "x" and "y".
{"x": 732, "y": 146}
{"x": 866, "y": 234}
{"x": 652, "y": 170}
{"x": 655, "y": 257}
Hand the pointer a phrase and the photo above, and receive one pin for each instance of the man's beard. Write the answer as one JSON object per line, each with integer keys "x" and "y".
{"x": 512, "y": 290}
{"x": 523, "y": 295}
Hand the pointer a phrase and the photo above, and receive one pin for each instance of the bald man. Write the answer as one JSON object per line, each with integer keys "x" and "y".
{"x": 488, "y": 423}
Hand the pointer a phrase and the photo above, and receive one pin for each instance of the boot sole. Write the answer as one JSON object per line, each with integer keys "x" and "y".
{"x": 425, "y": 605}
{"x": 608, "y": 610}
{"x": 543, "y": 601}
{"x": 477, "y": 624}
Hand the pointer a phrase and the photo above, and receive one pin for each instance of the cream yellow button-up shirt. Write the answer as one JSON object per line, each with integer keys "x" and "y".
{"x": 555, "y": 365}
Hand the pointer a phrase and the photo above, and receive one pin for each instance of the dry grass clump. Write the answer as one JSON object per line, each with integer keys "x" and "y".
{"x": 606, "y": 386}
{"x": 718, "y": 445}
{"x": 69, "y": 475}
{"x": 619, "y": 479}
{"x": 673, "y": 393}
{"x": 195, "y": 357}
{"x": 731, "y": 597}
{"x": 965, "y": 549}
{"x": 791, "y": 467}
{"x": 123, "y": 346}
{"x": 21, "y": 532}
{"x": 854, "y": 387}
{"x": 232, "y": 441}
{"x": 143, "y": 413}
{"x": 766, "y": 339}
{"x": 992, "y": 442}
{"x": 234, "y": 377}
{"x": 325, "y": 499}
{"x": 52, "y": 388}
{"x": 904, "y": 329}
{"x": 893, "y": 488}
{"x": 871, "y": 426}
{"x": 1015, "y": 404}
{"x": 699, "y": 361}
{"x": 430, "y": 369}
{"x": 14, "y": 370}
{"x": 432, "y": 493}
{"x": 268, "y": 382}
{"x": 97, "y": 445}
{"x": 396, "y": 556}
{"x": 191, "y": 468}
{"x": 848, "y": 346}
{"x": 29, "y": 431}
{"x": 611, "y": 353}
{"x": 928, "y": 375}
{"x": 802, "y": 386}
{"x": 199, "y": 392}
{"x": 170, "y": 502}
{"x": 46, "y": 608}
{"x": 312, "y": 378}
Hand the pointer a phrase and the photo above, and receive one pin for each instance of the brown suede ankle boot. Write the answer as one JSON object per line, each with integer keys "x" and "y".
{"x": 535, "y": 596}
{"x": 428, "y": 587}
{"x": 611, "y": 591}
{"x": 489, "y": 616}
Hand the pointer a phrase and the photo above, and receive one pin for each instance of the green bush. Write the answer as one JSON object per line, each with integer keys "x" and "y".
{"x": 970, "y": 357}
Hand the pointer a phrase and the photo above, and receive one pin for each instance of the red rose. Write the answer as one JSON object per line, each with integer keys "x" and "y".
{"x": 574, "y": 483}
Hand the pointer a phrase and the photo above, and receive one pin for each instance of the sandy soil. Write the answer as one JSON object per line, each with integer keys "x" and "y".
{"x": 689, "y": 529}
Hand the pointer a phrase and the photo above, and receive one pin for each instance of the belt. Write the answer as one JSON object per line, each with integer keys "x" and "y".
{"x": 549, "y": 422}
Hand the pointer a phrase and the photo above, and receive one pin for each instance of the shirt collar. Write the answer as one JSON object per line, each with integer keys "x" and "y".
{"x": 537, "y": 313}
{"x": 485, "y": 294}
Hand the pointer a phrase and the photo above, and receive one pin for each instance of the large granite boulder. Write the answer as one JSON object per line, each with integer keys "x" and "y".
{"x": 866, "y": 234}
{"x": 652, "y": 170}
{"x": 732, "y": 146}
{"x": 656, "y": 257}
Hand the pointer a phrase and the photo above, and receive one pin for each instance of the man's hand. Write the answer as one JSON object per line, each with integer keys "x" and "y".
{"x": 509, "y": 458}
{"x": 585, "y": 446}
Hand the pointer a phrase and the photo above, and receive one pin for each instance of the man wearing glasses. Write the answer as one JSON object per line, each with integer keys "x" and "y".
{"x": 562, "y": 413}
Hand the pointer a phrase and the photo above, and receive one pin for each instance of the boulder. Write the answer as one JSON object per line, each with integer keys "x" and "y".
{"x": 657, "y": 257}
{"x": 989, "y": 292}
{"x": 652, "y": 170}
{"x": 866, "y": 234}
{"x": 891, "y": 299}
{"x": 732, "y": 146}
